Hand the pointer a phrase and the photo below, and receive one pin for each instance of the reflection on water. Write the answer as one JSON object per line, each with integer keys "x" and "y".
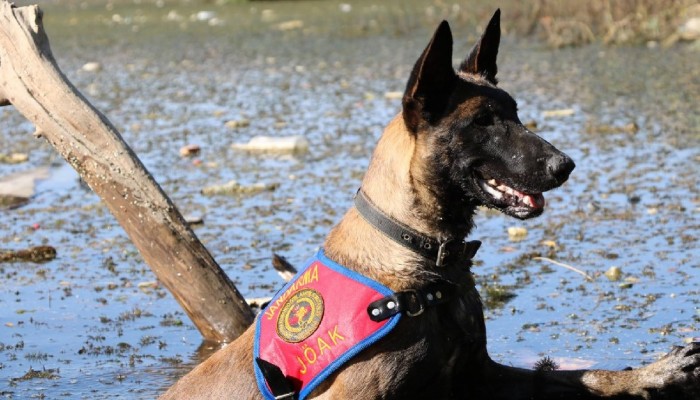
{"x": 172, "y": 76}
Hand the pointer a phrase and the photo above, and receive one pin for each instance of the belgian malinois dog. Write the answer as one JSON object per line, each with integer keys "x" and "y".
{"x": 456, "y": 145}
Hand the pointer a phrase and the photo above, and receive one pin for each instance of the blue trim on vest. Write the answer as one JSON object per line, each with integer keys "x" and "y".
{"x": 262, "y": 384}
{"x": 345, "y": 357}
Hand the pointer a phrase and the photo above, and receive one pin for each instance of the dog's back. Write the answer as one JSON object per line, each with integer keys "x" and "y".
{"x": 227, "y": 374}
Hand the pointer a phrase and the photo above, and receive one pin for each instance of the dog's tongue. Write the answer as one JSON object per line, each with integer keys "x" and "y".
{"x": 534, "y": 200}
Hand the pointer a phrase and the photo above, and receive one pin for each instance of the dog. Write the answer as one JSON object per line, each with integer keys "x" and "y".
{"x": 456, "y": 145}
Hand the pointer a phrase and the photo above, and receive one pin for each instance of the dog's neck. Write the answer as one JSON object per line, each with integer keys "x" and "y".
{"x": 395, "y": 183}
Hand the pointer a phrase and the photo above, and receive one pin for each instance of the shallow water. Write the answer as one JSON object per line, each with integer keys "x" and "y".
{"x": 633, "y": 200}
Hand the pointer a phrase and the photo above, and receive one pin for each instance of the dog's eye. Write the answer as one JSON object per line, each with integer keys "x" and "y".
{"x": 484, "y": 120}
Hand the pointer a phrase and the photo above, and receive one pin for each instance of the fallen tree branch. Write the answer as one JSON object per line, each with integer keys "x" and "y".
{"x": 30, "y": 77}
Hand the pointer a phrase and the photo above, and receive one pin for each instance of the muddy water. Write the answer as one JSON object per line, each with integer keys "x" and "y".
{"x": 94, "y": 323}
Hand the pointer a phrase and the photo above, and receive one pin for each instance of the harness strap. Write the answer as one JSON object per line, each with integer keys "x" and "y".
{"x": 412, "y": 302}
{"x": 442, "y": 251}
{"x": 279, "y": 385}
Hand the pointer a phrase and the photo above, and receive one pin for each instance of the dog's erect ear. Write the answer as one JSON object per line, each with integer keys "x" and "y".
{"x": 482, "y": 58}
{"x": 431, "y": 82}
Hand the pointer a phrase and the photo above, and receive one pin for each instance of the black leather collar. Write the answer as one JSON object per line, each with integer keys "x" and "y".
{"x": 442, "y": 252}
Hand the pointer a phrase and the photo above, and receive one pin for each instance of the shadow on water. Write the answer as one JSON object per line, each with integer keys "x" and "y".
{"x": 96, "y": 321}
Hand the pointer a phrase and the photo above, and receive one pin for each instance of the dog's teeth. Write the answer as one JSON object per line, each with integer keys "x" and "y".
{"x": 490, "y": 190}
{"x": 509, "y": 190}
{"x": 498, "y": 190}
{"x": 495, "y": 193}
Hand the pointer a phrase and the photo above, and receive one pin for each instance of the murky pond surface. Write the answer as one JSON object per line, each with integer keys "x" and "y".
{"x": 93, "y": 323}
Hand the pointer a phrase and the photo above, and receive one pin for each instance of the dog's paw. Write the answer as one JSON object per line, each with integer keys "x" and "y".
{"x": 675, "y": 376}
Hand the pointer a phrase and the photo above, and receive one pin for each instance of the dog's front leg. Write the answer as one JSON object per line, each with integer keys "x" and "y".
{"x": 676, "y": 376}
{"x": 510, "y": 383}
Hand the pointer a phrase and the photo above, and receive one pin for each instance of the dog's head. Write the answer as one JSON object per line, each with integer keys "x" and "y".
{"x": 473, "y": 147}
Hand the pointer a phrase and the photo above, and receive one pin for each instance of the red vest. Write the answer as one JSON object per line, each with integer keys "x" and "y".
{"x": 318, "y": 322}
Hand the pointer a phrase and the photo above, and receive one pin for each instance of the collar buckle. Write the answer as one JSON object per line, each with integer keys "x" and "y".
{"x": 442, "y": 253}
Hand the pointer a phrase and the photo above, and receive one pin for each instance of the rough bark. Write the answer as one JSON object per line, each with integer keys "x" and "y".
{"x": 32, "y": 82}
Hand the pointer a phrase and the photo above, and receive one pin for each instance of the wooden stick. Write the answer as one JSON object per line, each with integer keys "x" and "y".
{"x": 30, "y": 77}
{"x": 561, "y": 264}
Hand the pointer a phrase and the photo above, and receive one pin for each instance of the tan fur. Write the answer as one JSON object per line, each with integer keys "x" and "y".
{"x": 442, "y": 353}
{"x": 395, "y": 168}
{"x": 228, "y": 374}
{"x": 356, "y": 245}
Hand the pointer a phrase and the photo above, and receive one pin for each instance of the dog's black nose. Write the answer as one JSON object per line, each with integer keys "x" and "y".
{"x": 560, "y": 166}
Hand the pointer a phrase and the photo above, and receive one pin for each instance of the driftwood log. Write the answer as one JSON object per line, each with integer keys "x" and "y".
{"x": 31, "y": 81}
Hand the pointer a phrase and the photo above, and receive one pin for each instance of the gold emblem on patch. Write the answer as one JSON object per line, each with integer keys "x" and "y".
{"x": 300, "y": 316}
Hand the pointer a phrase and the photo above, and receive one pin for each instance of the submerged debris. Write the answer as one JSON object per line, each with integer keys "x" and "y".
{"x": 8, "y": 201}
{"x": 50, "y": 373}
{"x": 233, "y": 187}
{"x": 237, "y": 123}
{"x": 290, "y": 25}
{"x": 627, "y": 128}
{"x": 614, "y": 273}
{"x": 33, "y": 254}
{"x": 14, "y": 158}
{"x": 20, "y": 185}
{"x": 565, "y": 112}
{"x": 496, "y": 296}
{"x": 517, "y": 233}
{"x": 289, "y": 144}
{"x": 91, "y": 67}
{"x": 194, "y": 219}
{"x": 203, "y": 16}
{"x": 690, "y": 30}
{"x": 190, "y": 150}
{"x": 393, "y": 95}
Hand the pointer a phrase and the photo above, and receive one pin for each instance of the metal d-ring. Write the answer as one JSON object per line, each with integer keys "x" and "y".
{"x": 419, "y": 300}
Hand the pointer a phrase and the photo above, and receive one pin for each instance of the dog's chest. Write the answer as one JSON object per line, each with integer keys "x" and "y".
{"x": 468, "y": 313}
{"x": 431, "y": 354}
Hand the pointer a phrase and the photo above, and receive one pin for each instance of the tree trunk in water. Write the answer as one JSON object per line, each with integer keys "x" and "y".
{"x": 31, "y": 81}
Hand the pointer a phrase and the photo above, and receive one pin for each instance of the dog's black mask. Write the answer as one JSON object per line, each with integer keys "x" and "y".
{"x": 478, "y": 150}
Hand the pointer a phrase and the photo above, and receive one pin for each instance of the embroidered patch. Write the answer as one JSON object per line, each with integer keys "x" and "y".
{"x": 300, "y": 316}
